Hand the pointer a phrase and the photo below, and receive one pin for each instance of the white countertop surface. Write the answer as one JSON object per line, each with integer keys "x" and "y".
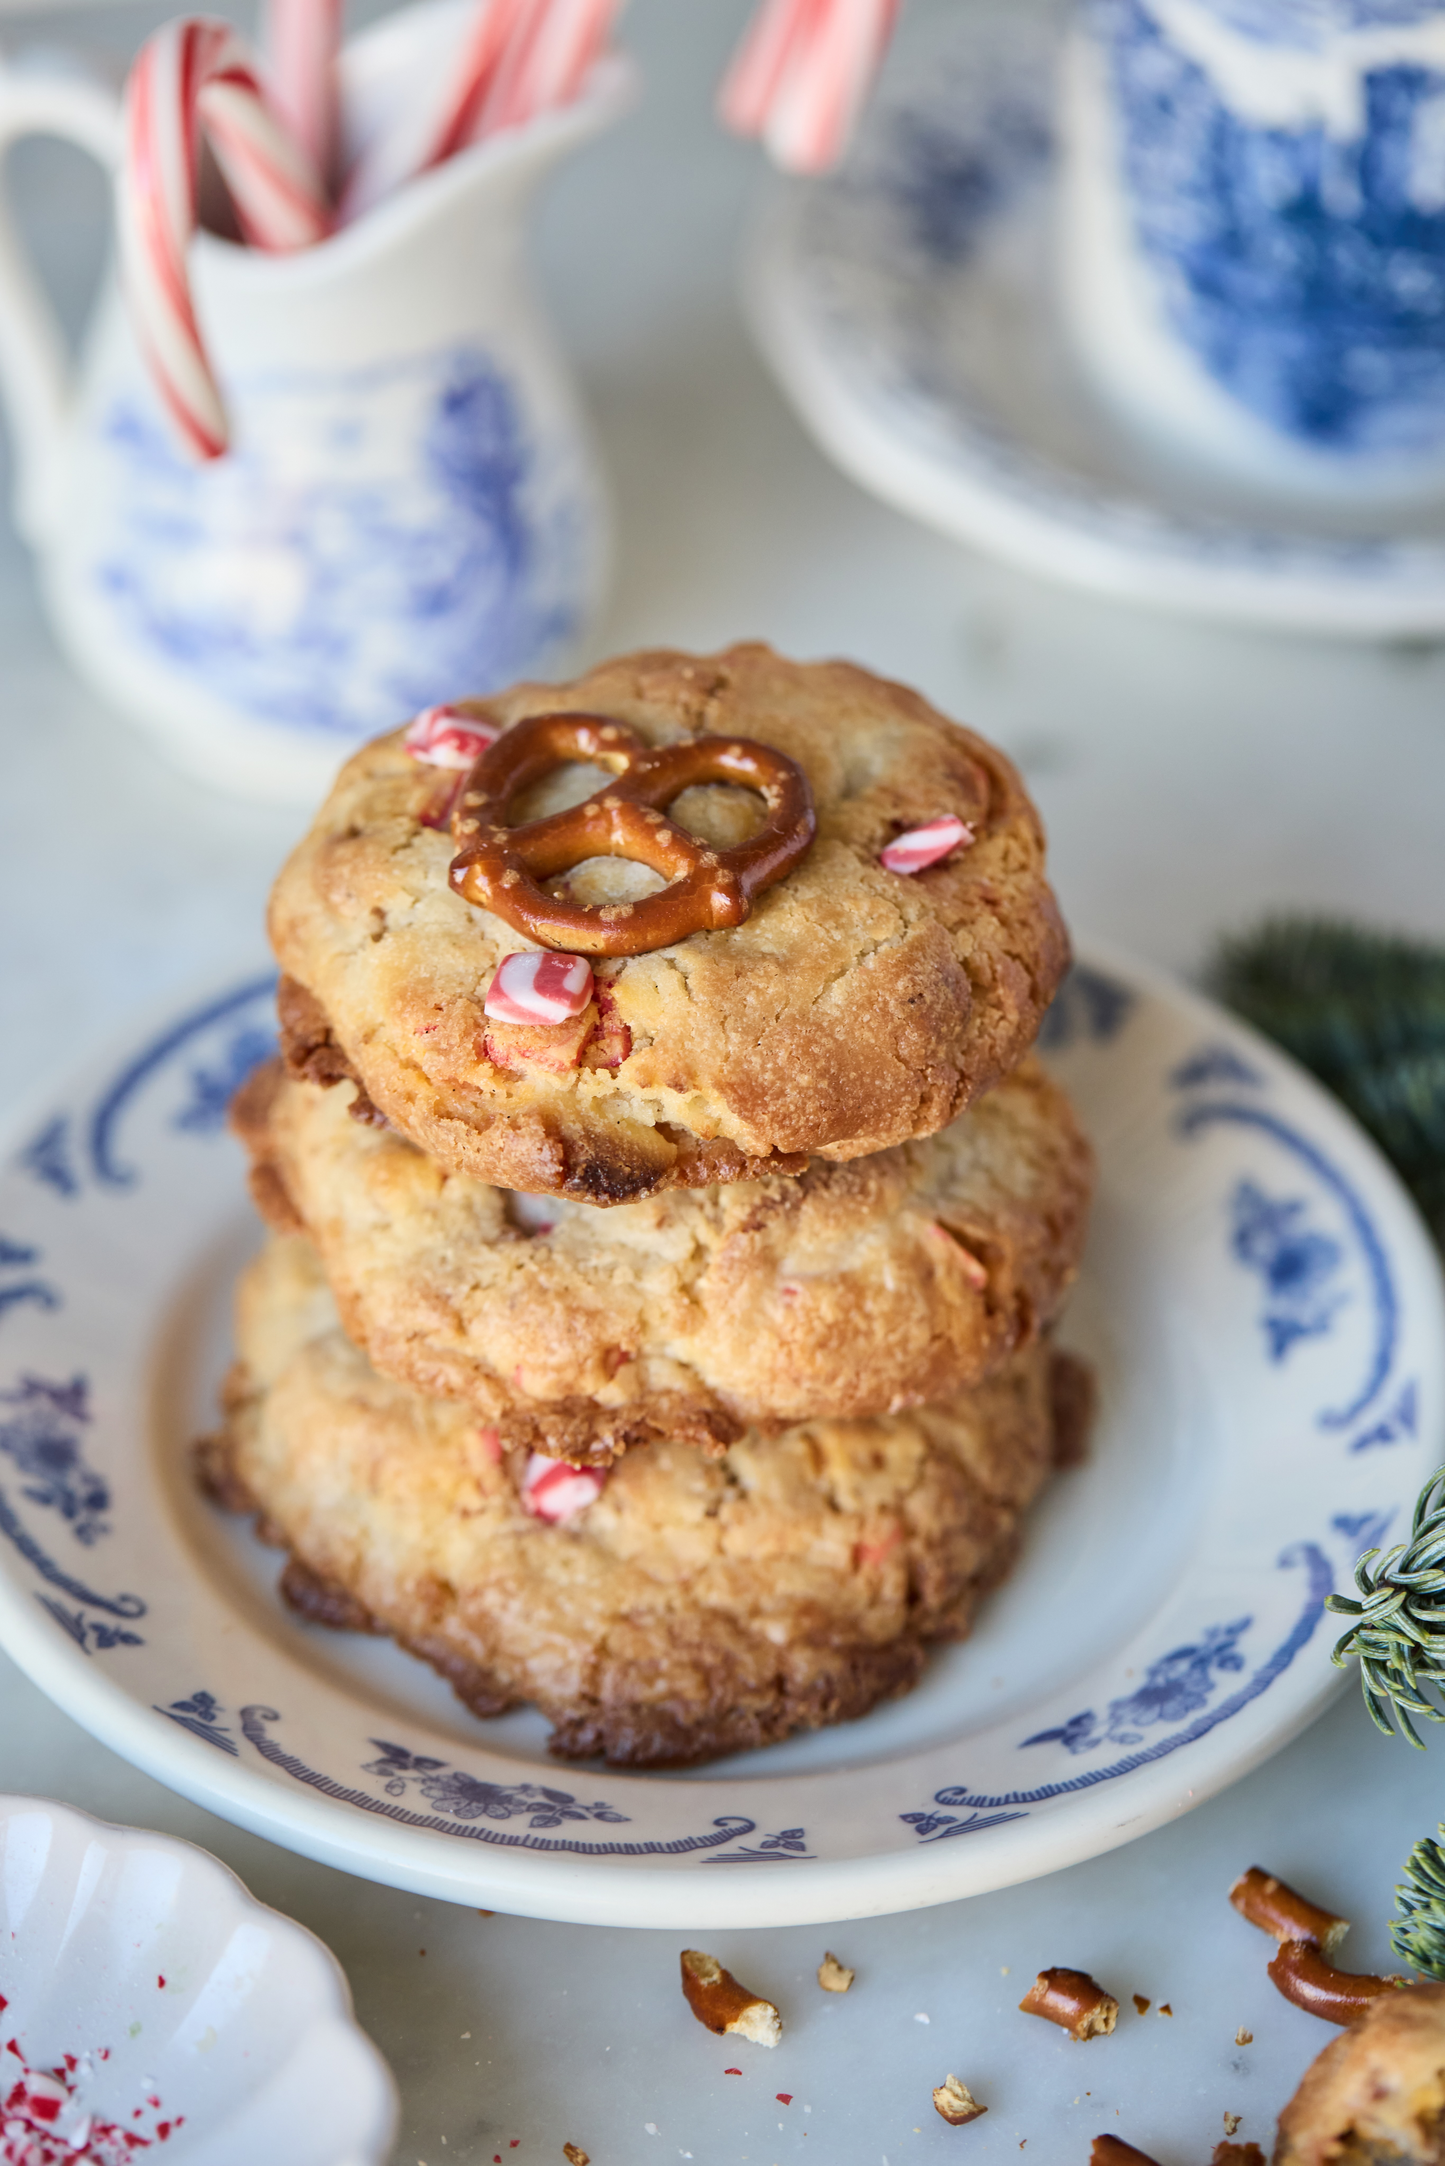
{"x": 1190, "y": 778}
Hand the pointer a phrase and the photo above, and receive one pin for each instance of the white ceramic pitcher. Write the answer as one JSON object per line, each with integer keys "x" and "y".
{"x": 411, "y": 509}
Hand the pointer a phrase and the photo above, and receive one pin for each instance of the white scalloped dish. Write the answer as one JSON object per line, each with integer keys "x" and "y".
{"x": 148, "y": 2005}
{"x": 1265, "y": 1314}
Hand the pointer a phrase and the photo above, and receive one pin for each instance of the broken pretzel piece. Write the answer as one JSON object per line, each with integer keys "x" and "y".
{"x": 833, "y": 1976}
{"x": 1237, "y": 2154}
{"x": 1283, "y": 1913}
{"x": 1073, "y": 2000}
{"x": 1304, "y": 1974}
{"x": 1113, "y": 2151}
{"x": 955, "y": 2103}
{"x": 575, "y": 2155}
{"x": 724, "y": 2006}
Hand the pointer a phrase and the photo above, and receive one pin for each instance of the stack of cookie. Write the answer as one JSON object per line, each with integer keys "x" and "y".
{"x": 668, "y": 1214}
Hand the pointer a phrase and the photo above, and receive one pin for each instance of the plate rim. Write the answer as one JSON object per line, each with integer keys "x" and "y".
{"x": 655, "y": 1894}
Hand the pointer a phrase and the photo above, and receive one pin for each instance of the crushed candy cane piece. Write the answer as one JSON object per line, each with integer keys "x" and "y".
{"x": 446, "y": 737}
{"x": 554, "y": 1490}
{"x": 923, "y": 846}
{"x": 539, "y": 986}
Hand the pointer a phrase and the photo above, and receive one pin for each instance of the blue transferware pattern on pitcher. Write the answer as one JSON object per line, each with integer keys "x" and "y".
{"x": 400, "y": 533}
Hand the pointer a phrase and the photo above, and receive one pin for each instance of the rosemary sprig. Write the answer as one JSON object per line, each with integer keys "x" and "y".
{"x": 1419, "y": 1933}
{"x": 1398, "y": 1635}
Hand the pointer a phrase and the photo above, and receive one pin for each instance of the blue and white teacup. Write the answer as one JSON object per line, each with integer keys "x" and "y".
{"x": 1253, "y": 232}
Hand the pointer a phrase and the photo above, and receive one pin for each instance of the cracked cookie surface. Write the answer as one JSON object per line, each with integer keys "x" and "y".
{"x": 852, "y": 1290}
{"x": 854, "y": 1009}
{"x": 699, "y": 1606}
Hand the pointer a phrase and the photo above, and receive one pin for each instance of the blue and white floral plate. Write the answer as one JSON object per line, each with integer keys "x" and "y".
{"x": 1268, "y": 1324}
{"x": 908, "y": 305}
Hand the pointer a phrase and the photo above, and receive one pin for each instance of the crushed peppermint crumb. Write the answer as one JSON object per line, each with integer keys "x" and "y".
{"x": 651, "y": 2127}
{"x": 784, "y": 2098}
{"x": 922, "y": 2019}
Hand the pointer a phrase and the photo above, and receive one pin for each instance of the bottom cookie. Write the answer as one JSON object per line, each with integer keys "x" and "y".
{"x": 698, "y": 1606}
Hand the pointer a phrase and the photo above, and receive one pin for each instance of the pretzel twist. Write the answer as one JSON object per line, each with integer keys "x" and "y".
{"x": 502, "y": 868}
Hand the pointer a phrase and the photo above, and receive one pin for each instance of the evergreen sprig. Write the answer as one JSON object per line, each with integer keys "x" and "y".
{"x": 1398, "y": 1635}
{"x": 1365, "y": 1012}
{"x": 1419, "y": 1933}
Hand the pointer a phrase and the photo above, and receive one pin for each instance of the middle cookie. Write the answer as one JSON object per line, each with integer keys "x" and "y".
{"x": 859, "y": 1289}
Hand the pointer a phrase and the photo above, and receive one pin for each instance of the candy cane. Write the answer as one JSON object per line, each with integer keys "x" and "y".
{"x": 801, "y": 75}
{"x": 517, "y": 60}
{"x": 194, "y": 73}
{"x": 301, "y": 41}
{"x": 547, "y": 60}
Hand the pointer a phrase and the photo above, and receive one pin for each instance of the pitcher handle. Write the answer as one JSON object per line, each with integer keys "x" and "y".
{"x": 35, "y": 367}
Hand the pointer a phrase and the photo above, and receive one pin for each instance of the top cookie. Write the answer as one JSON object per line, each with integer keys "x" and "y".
{"x": 854, "y": 1008}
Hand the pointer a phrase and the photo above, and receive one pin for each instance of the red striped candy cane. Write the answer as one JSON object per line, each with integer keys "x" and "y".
{"x": 191, "y": 74}
{"x": 801, "y": 74}
{"x": 302, "y": 41}
{"x": 546, "y": 61}
{"x": 517, "y": 60}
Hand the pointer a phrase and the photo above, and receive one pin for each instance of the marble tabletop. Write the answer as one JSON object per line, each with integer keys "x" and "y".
{"x": 1191, "y": 778}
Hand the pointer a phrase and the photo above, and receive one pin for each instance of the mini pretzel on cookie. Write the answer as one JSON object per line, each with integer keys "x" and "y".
{"x": 500, "y": 867}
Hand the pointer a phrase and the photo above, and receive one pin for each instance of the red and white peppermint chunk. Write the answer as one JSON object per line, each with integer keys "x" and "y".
{"x": 445, "y": 737}
{"x": 554, "y": 1490}
{"x": 923, "y": 846}
{"x": 539, "y": 986}
{"x": 38, "y": 2099}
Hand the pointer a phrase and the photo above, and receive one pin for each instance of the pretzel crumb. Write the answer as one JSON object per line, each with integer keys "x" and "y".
{"x": 1165, "y": 2009}
{"x": 724, "y": 2006}
{"x": 1237, "y": 2154}
{"x": 1073, "y": 2000}
{"x": 575, "y": 2155}
{"x": 1242, "y": 2037}
{"x": 1231, "y": 2123}
{"x": 955, "y": 2103}
{"x": 833, "y": 1976}
{"x": 1113, "y": 2151}
{"x": 1142, "y": 2004}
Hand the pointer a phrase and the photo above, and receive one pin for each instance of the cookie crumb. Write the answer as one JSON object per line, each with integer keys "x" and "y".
{"x": 1142, "y": 2003}
{"x": 724, "y": 2006}
{"x": 1242, "y": 2037}
{"x": 833, "y": 1976}
{"x": 955, "y": 2103}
